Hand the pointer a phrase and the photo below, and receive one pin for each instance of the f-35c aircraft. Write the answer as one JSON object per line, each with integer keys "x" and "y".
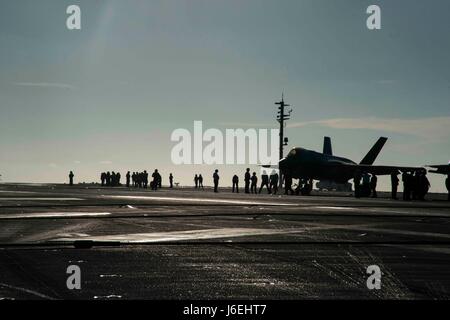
{"x": 307, "y": 164}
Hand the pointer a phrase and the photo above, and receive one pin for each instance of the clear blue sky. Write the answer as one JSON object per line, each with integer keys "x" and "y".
{"x": 107, "y": 97}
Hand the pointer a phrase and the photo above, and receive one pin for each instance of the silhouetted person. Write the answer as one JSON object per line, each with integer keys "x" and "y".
{"x": 415, "y": 184}
{"x": 247, "y": 178}
{"x": 216, "y": 180}
{"x": 447, "y": 185}
{"x": 155, "y": 181}
{"x": 357, "y": 184}
{"x": 145, "y": 179}
{"x": 373, "y": 186}
{"x": 118, "y": 176}
{"x": 365, "y": 192}
{"x": 171, "y": 181}
{"x": 128, "y": 178}
{"x": 264, "y": 182}
{"x": 274, "y": 182}
{"x": 103, "y": 178}
{"x": 200, "y": 181}
{"x": 424, "y": 185}
{"x": 71, "y": 175}
{"x": 196, "y": 181}
{"x": 113, "y": 178}
{"x": 394, "y": 184}
{"x": 254, "y": 180}
{"x": 406, "y": 179}
{"x": 235, "y": 181}
{"x": 108, "y": 178}
{"x": 288, "y": 184}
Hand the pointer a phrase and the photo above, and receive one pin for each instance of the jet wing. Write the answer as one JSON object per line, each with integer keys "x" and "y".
{"x": 372, "y": 169}
{"x": 385, "y": 170}
{"x": 442, "y": 169}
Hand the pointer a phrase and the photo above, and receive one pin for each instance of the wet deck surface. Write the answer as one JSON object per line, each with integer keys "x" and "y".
{"x": 188, "y": 244}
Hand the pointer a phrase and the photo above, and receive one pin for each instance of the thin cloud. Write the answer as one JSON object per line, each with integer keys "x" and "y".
{"x": 430, "y": 128}
{"x": 106, "y": 162}
{"x": 45, "y": 85}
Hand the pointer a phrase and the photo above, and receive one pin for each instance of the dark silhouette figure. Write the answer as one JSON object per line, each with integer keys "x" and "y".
{"x": 406, "y": 179}
{"x": 118, "y": 176}
{"x": 235, "y": 183}
{"x": 247, "y": 180}
{"x": 156, "y": 179}
{"x": 365, "y": 190}
{"x": 415, "y": 185}
{"x": 394, "y": 184}
{"x": 200, "y": 181}
{"x": 216, "y": 180}
{"x": 357, "y": 184}
{"x": 128, "y": 178}
{"x": 447, "y": 185}
{"x": 264, "y": 182}
{"x": 373, "y": 186}
{"x": 196, "y": 181}
{"x": 108, "y": 178}
{"x": 288, "y": 185}
{"x": 171, "y": 181}
{"x": 103, "y": 178}
{"x": 145, "y": 179}
{"x": 274, "y": 182}
{"x": 254, "y": 180}
{"x": 423, "y": 185}
{"x": 71, "y": 175}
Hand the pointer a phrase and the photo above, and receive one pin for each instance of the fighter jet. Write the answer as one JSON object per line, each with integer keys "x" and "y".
{"x": 440, "y": 168}
{"x": 301, "y": 163}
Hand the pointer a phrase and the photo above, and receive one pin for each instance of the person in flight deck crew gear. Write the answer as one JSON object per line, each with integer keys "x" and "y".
{"x": 113, "y": 178}
{"x": 357, "y": 183}
{"x": 128, "y": 177}
{"x": 159, "y": 181}
{"x": 71, "y": 175}
{"x": 447, "y": 185}
{"x": 155, "y": 175}
{"x": 118, "y": 178}
{"x": 171, "y": 181}
{"x": 415, "y": 185}
{"x": 365, "y": 185}
{"x": 216, "y": 180}
{"x": 373, "y": 186}
{"x": 196, "y": 181}
{"x": 254, "y": 183}
{"x": 103, "y": 178}
{"x": 406, "y": 188}
{"x": 288, "y": 184}
{"x": 274, "y": 182}
{"x": 235, "y": 182}
{"x": 264, "y": 182}
{"x": 200, "y": 181}
{"x": 247, "y": 180}
{"x": 394, "y": 184}
{"x": 424, "y": 185}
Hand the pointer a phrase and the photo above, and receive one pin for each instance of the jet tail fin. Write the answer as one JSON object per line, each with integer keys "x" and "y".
{"x": 327, "y": 146}
{"x": 370, "y": 157}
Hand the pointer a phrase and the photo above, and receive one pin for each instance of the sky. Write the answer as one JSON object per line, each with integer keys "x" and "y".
{"x": 107, "y": 97}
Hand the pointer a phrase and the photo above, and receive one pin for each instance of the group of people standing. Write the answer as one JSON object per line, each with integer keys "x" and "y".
{"x": 198, "y": 181}
{"x": 135, "y": 179}
{"x": 365, "y": 185}
{"x": 251, "y": 182}
{"x": 415, "y": 185}
{"x": 110, "y": 179}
